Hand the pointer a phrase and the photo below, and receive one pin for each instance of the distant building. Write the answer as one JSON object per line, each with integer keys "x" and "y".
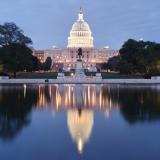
{"x": 80, "y": 37}
{"x": 40, "y": 54}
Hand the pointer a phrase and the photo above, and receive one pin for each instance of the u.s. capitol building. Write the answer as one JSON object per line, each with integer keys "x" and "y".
{"x": 80, "y": 38}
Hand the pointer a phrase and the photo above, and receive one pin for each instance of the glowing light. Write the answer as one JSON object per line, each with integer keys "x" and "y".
{"x": 141, "y": 39}
{"x": 80, "y": 124}
{"x": 25, "y": 86}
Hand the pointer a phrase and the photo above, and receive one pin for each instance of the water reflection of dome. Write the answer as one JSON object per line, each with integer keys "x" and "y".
{"x": 80, "y": 124}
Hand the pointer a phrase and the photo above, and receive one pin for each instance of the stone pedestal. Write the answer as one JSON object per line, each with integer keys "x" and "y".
{"x": 79, "y": 70}
{"x": 98, "y": 76}
{"x": 155, "y": 77}
{"x": 4, "y": 77}
{"x": 60, "y": 76}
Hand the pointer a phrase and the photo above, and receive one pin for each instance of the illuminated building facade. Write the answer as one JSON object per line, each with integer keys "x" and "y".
{"x": 80, "y": 37}
{"x": 40, "y": 54}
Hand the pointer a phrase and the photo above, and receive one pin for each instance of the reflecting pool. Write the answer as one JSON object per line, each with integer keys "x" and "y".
{"x": 87, "y": 122}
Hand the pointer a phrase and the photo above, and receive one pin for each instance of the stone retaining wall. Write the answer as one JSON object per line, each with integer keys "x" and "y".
{"x": 80, "y": 81}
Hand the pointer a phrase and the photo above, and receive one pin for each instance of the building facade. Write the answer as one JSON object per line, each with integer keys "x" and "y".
{"x": 80, "y": 38}
{"x": 40, "y": 54}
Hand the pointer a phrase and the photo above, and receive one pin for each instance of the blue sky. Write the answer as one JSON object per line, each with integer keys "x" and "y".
{"x": 48, "y": 22}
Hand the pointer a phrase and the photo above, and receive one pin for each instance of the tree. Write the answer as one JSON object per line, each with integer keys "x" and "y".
{"x": 12, "y": 34}
{"x": 15, "y": 55}
{"x": 125, "y": 67}
{"x": 36, "y": 64}
{"x": 131, "y": 56}
{"x": 47, "y": 64}
{"x": 113, "y": 63}
{"x": 139, "y": 57}
{"x": 103, "y": 66}
{"x": 16, "y": 58}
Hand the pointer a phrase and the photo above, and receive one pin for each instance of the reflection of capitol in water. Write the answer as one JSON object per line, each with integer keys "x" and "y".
{"x": 80, "y": 102}
{"x": 64, "y": 97}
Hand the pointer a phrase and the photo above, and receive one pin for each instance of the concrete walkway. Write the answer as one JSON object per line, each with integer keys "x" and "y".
{"x": 80, "y": 81}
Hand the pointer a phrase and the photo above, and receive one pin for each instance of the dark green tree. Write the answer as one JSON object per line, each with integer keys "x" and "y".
{"x": 15, "y": 55}
{"x": 47, "y": 64}
{"x": 103, "y": 66}
{"x": 113, "y": 63}
{"x": 139, "y": 57}
{"x": 36, "y": 64}
{"x": 16, "y": 58}
{"x": 10, "y": 33}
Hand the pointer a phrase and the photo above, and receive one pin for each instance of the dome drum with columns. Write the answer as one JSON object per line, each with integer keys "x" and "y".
{"x": 80, "y": 37}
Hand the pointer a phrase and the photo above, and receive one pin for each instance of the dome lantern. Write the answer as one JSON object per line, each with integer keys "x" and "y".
{"x": 80, "y": 16}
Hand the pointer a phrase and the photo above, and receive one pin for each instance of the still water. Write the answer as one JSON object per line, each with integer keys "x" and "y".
{"x": 72, "y": 122}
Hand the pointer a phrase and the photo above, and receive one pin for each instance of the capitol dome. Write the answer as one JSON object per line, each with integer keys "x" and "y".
{"x": 80, "y": 35}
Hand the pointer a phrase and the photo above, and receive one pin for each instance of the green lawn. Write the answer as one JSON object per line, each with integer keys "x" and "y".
{"x": 106, "y": 75}
{"x": 120, "y": 76}
{"x": 53, "y": 75}
{"x": 50, "y": 75}
{"x": 25, "y": 75}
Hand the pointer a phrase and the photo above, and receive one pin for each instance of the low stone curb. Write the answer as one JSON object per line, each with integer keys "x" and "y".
{"x": 80, "y": 81}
